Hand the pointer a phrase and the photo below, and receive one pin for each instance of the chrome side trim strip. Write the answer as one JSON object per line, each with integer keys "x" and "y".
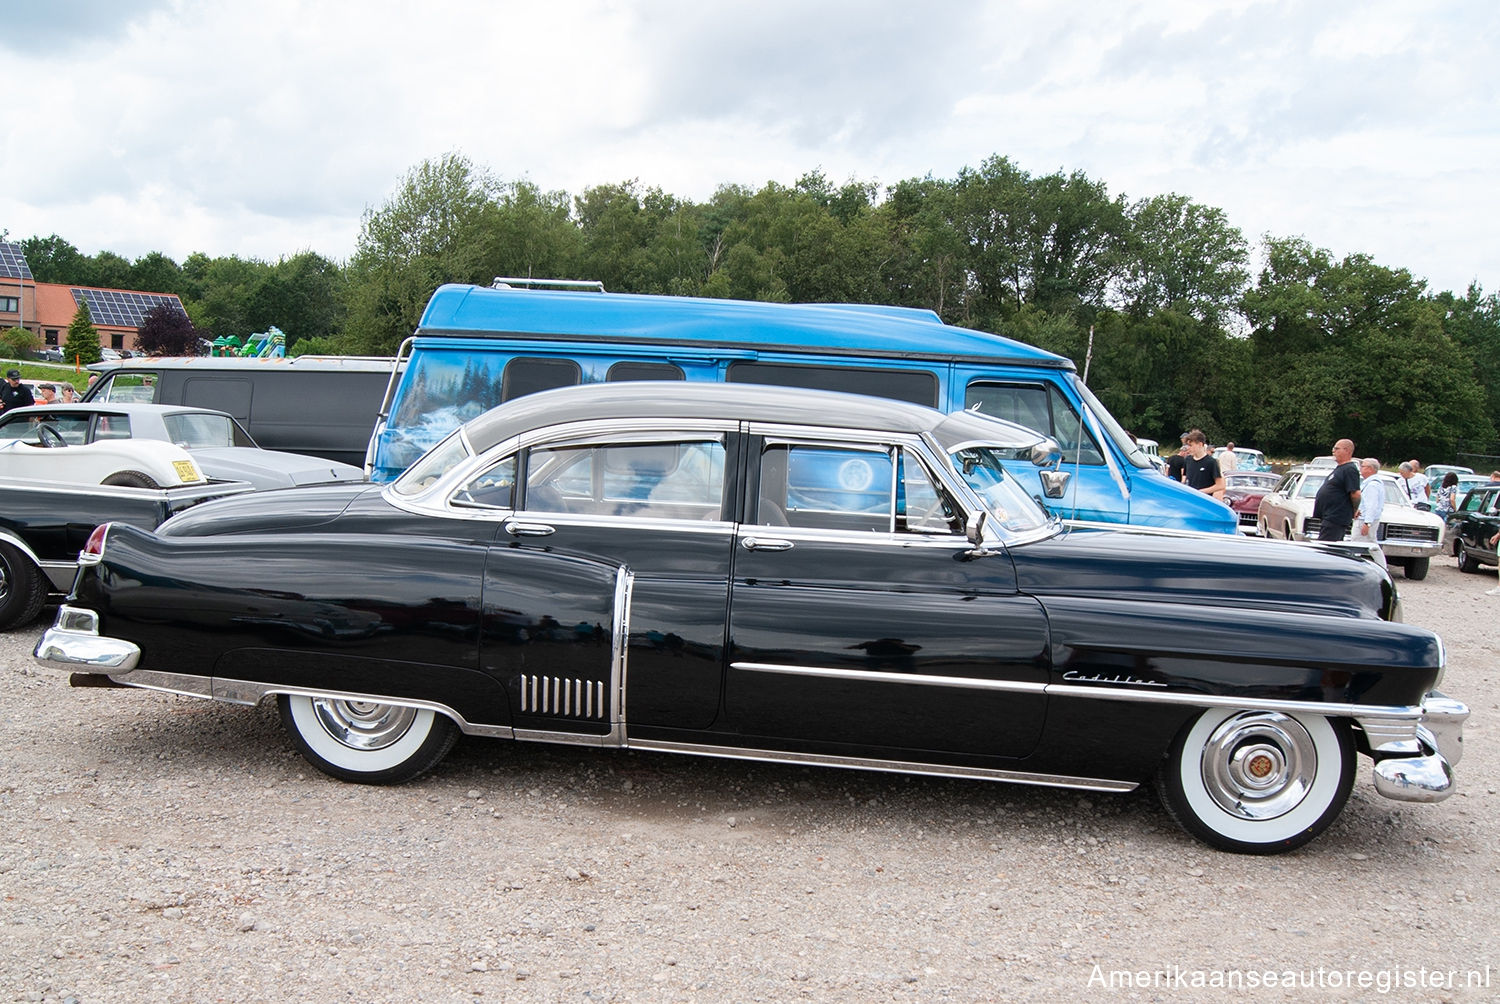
{"x": 893, "y": 766}
{"x": 1246, "y": 703}
{"x": 871, "y": 676}
{"x": 247, "y": 692}
{"x": 1392, "y": 722}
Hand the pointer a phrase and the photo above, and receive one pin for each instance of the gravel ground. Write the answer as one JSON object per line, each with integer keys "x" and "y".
{"x": 156, "y": 848}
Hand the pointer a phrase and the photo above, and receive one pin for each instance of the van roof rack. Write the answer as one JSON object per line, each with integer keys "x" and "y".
{"x": 507, "y": 282}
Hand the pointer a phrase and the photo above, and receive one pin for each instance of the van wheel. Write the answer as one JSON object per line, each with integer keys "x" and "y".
{"x": 130, "y": 479}
{"x": 22, "y": 588}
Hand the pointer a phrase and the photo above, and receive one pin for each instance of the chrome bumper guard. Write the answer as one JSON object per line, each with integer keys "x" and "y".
{"x": 1421, "y": 769}
{"x": 73, "y": 643}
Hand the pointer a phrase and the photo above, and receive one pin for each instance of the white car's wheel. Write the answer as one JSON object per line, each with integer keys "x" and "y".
{"x": 367, "y": 742}
{"x": 1257, "y": 782}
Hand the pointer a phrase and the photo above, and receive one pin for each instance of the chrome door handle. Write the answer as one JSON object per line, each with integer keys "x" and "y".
{"x": 516, "y": 528}
{"x": 766, "y": 544}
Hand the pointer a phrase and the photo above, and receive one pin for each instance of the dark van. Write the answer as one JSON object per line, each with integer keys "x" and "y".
{"x": 477, "y": 347}
{"x": 320, "y": 406}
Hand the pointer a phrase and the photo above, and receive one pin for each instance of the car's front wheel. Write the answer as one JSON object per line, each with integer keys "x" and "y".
{"x": 1257, "y": 782}
{"x": 366, "y": 742}
{"x": 1416, "y": 568}
{"x": 1466, "y": 561}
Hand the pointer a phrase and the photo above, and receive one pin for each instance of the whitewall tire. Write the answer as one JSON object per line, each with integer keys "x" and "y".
{"x": 1257, "y": 782}
{"x": 366, "y": 742}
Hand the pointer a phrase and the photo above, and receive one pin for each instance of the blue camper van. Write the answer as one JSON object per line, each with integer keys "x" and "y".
{"x": 479, "y": 346}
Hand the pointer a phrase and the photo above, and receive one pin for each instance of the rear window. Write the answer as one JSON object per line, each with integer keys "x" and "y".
{"x": 915, "y": 386}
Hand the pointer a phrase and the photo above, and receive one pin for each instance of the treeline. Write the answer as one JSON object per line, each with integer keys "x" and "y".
{"x": 1308, "y": 349}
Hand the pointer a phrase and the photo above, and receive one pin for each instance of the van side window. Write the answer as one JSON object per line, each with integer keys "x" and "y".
{"x": 915, "y": 386}
{"x": 528, "y": 376}
{"x": 1040, "y": 407}
{"x": 620, "y": 372}
{"x": 132, "y": 387}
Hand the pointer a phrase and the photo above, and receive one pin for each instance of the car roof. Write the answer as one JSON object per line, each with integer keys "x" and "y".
{"x": 832, "y": 328}
{"x": 373, "y": 364}
{"x": 115, "y": 408}
{"x": 685, "y": 400}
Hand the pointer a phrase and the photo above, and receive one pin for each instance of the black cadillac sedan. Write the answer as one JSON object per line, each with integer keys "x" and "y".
{"x": 785, "y": 575}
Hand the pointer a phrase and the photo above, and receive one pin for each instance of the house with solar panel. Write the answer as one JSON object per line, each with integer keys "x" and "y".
{"x": 47, "y": 308}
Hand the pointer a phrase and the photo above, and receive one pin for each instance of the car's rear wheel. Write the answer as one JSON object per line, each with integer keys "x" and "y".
{"x": 131, "y": 479}
{"x": 1416, "y": 568}
{"x": 1287, "y": 531}
{"x": 23, "y": 588}
{"x": 366, "y": 742}
{"x": 1257, "y": 782}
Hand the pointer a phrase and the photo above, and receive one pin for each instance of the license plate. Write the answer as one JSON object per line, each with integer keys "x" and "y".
{"x": 187, "y": 470}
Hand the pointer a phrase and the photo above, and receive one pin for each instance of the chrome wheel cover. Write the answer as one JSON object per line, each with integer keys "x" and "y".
{"x": 1259, "y": 765}
{"x": 363, "y": 725}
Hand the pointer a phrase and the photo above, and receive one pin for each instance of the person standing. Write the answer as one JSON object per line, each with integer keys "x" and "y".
{"x": 1445, "y": 499}
{"x": 1371, "y": 502}
{"x": 1420, "y": 481}
{"x": 14, "y": 393}
{"x": 1414, "y": 485}
{"x": 1495, "y": 543}
{"x": 1201, "y": 470}
{"x": 1177, "y": 462}
{"x": 1229, "y": 460}
{"x": 1338, "y": 495}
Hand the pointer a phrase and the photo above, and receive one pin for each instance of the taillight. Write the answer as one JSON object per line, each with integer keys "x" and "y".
{"x": 95, "y": 547}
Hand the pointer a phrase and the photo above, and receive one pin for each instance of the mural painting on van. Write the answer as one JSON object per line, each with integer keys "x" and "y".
{"x": 477, "y": 347}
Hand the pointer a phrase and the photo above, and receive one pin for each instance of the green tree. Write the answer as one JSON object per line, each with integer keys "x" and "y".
{"x": 1352, "y": 349}
{"x": 82, "y": 345}
{"x": 19, "y": 343}
{"x": 156, "y": 273}
{"x": 1183, "y": 256}
{"x": 53, "y": 259}
{"x": 439, "y": 227}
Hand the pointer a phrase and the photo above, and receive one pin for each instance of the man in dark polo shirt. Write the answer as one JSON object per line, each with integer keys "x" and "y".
{"x": 14, "y": 393}
{"x": 1339, "y": 495}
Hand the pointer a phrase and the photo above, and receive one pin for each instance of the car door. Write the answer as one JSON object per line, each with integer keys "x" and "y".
{"x": 860, "y": 623}
{"x": 653, "y": 503}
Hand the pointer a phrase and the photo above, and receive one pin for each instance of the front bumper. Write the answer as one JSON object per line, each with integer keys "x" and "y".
{"x": 1420, "y": 769}
{"x": 1411, "y": 548}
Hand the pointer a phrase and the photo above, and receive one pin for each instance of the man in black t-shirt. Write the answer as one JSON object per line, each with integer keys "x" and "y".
{"x": 1339, "y": 495}
{"x": 1202, "y": 470}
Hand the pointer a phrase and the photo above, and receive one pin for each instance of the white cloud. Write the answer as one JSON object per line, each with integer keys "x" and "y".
{"x": 267, "y": 129}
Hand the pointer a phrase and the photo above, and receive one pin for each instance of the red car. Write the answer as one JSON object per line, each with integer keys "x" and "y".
{"x": 1242, "y": 493}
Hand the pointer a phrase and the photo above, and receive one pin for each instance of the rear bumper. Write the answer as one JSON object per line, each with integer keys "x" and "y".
{"x": 73, "y": 643}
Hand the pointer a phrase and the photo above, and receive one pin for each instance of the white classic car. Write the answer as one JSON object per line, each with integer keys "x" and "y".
{"x": 1407, "y": 536}
{"x": 46, "y": 456}
{"x": 219, "y": 445}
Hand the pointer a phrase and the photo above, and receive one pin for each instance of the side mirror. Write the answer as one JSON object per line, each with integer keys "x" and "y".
{"x": 1046, "y": 454}
{"x": 1055, "y": 483}
{"x": 974, "y": 527}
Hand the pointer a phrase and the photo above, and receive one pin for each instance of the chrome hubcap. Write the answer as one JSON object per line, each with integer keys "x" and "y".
{"x": 364, "y": 725}
{"x": 1259, "y": 765}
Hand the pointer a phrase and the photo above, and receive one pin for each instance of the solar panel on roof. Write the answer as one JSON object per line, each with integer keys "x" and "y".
{"x": 120, "y": 309}
{"x": 13, "y": 262}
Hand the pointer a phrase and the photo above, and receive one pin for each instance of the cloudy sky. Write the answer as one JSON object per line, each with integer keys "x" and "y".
{"x": 264, "y": 129}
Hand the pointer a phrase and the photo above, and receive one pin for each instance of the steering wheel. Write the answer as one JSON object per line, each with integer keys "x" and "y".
{"x": 49, "y": 437}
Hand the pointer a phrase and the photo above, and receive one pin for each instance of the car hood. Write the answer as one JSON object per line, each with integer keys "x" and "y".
{"x": 266, "y": 469}
{"x": 267, "y": 510}
{"x": 1206, "y": 570}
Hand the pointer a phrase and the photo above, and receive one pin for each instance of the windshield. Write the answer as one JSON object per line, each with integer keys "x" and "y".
{"x": 438, "y": 461}
{"x": 1112, "y": 428}
{"x": 983, "y": 468}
